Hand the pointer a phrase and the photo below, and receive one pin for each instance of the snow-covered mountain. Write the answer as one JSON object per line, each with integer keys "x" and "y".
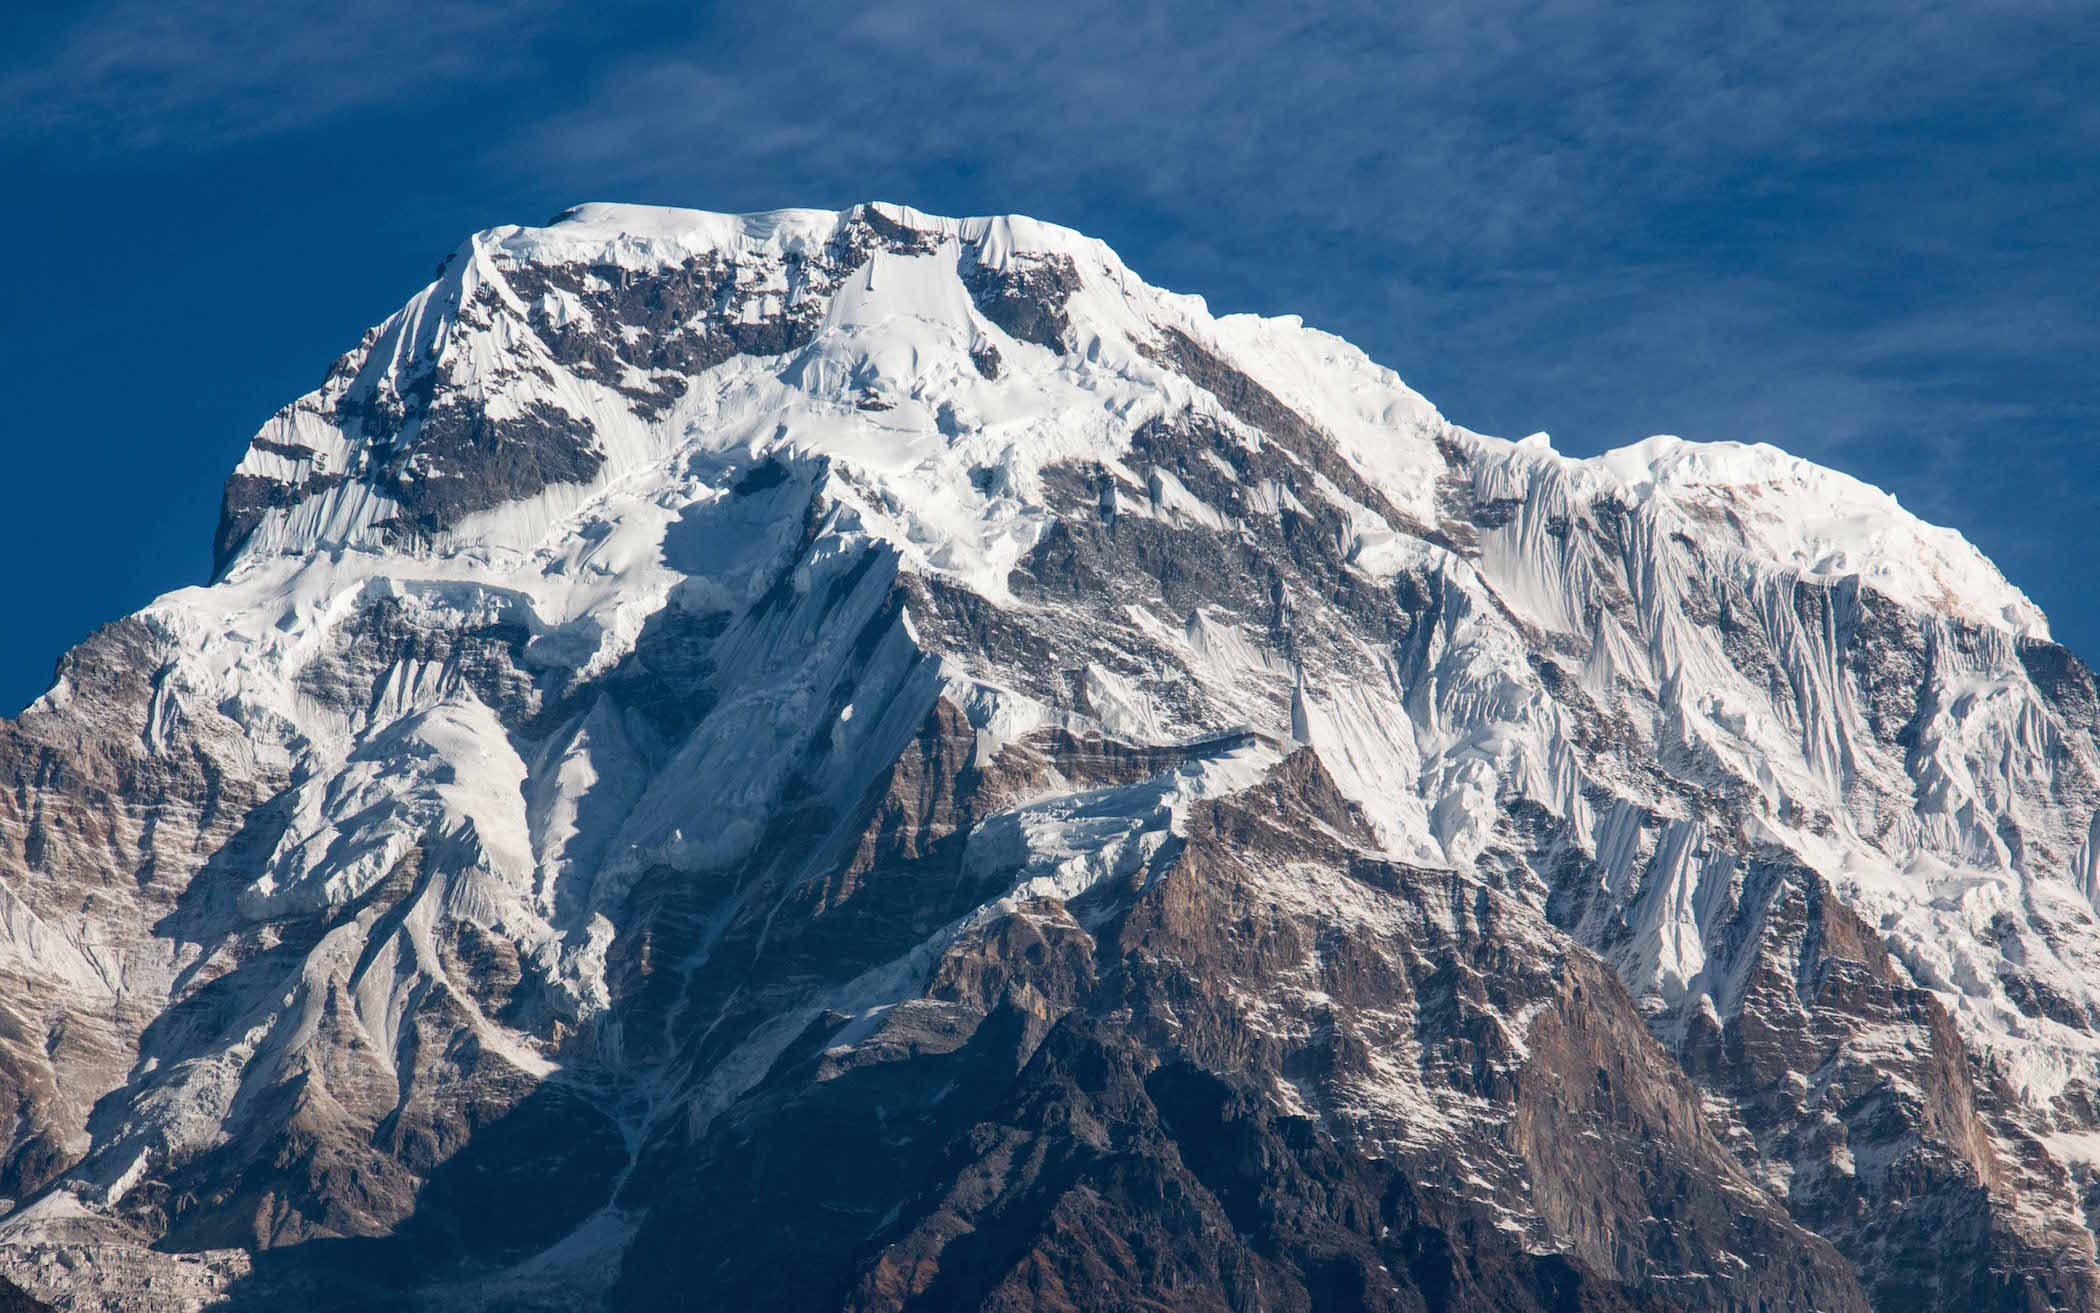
{"x": 864, "y": 760}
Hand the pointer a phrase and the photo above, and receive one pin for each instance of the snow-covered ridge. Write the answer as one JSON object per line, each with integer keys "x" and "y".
{"x": 1777, "y": 511}
{"x": 1772, "y": 508}
{"x": 1826, "y": 524}
{"x": 644, "y": 236}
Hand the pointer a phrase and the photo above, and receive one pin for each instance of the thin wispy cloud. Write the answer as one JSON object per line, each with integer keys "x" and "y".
{"x": 194, "y": 74}
{"x": 1480, "y": 120}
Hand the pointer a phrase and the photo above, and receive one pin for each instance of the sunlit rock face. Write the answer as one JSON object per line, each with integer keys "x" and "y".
{"x": 861, "y": 760}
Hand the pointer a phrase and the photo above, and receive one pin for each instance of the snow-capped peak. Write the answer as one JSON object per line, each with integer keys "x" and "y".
{"x": 693, "y": 672}
{"x": 505, "y": 329}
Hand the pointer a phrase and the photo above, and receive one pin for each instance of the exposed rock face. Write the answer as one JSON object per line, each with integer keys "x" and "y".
{"x": 870, "y": 761}
{"x": 1026, "y": 297}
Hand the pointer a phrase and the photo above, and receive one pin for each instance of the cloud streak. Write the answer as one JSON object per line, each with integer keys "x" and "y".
{"x": 134, "y": 75}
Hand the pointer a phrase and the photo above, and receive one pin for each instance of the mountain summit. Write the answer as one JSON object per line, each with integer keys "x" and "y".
{"x": 869, "y": 761}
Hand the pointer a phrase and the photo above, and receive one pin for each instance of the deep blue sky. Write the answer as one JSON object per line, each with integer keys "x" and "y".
{"x": 1866, "y": 236}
